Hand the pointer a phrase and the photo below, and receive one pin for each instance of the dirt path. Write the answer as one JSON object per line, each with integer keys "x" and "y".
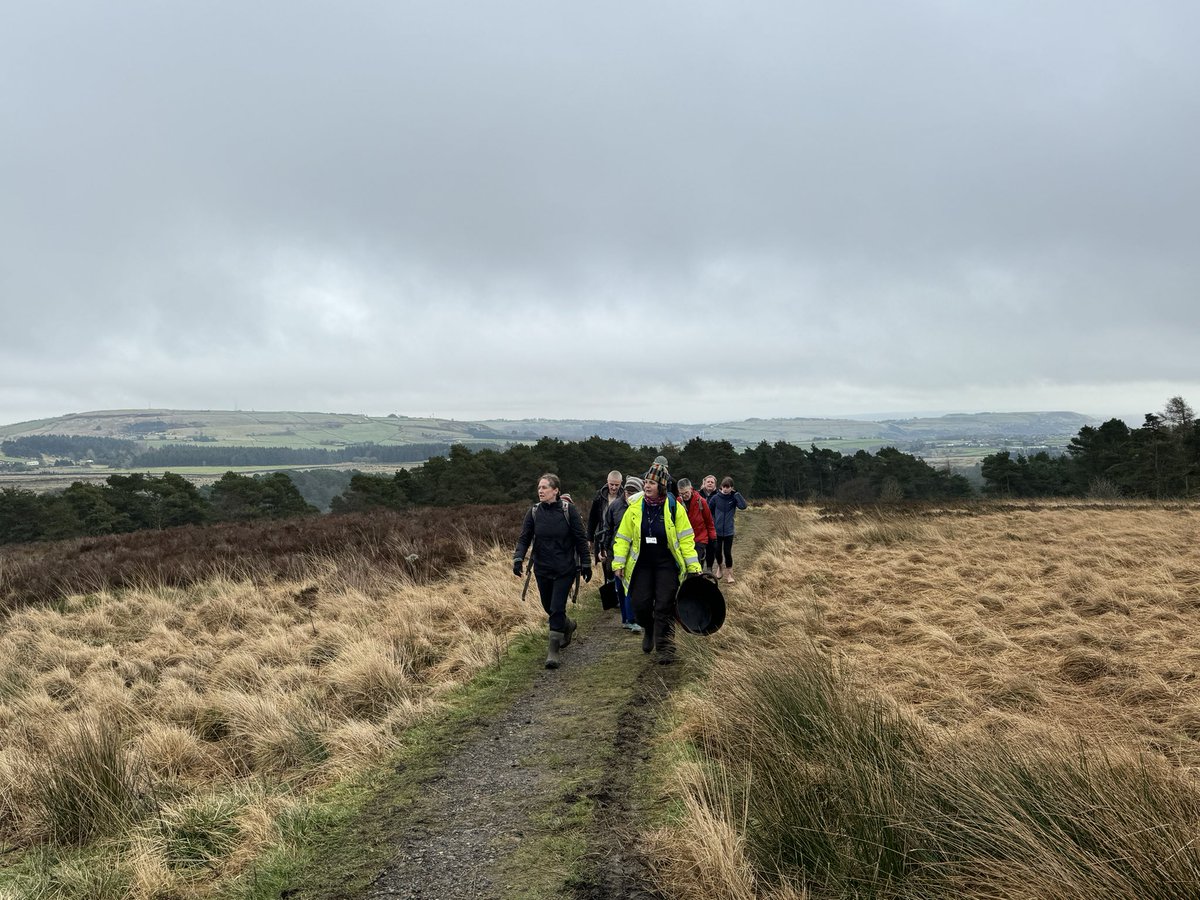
{"x": 548, "y": 796}
{"x": 540, "y": 801}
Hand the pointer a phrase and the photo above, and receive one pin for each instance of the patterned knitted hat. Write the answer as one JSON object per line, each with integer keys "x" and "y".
{"x": 633, "y": 482}
{"x": 657, "y": 472}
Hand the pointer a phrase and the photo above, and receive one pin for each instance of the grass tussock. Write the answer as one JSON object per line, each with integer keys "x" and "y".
{"x": 87, "y": 786}
{"x": 174, "y": 725}
{"x": 989, "y": 703}
{"x": 821, "y": 786}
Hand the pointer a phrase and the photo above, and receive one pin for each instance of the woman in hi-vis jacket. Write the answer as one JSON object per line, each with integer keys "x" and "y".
{"x": 653, "y": 552}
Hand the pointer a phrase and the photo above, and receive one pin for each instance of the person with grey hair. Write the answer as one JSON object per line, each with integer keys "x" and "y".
{"x": 701, "y": 518}
{"x": 611, "y": 491}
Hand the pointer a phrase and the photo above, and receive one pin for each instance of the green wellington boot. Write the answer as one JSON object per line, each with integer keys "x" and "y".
{"x": 568, "y": 632}
{"x": 556, "y": 643}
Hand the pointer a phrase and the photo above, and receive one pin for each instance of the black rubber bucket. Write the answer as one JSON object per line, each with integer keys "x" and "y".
{"x": 609, "y": 598}
{"x": 700, "y": 606}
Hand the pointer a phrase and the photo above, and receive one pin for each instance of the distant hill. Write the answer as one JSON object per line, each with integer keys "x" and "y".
{"x": 264, "y": 429}
{"x": 162, "y": 427}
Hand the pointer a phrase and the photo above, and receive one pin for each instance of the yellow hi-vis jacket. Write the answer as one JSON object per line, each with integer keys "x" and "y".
{"x": 627, "y": 543}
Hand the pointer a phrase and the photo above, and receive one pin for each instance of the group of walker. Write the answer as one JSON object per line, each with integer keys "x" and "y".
{"x": 648, "y": 539}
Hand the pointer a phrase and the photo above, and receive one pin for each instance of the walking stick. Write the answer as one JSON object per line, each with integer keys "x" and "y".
{"x": 528, "y": 575}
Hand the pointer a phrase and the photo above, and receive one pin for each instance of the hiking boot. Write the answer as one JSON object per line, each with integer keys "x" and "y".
{"x": 666, "y": 655}
{"x": 647, "y": 640}
{"x": 556, "y": 638}
{"x": 570, "y": 630}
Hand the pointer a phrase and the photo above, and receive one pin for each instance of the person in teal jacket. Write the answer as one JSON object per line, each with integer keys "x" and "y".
{"x": 653, "y": 551}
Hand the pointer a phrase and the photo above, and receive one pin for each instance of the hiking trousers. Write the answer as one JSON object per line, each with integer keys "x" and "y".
{"x": 652, "y": 595}
{"x": 554, "y": 593}
{"x": 724, "y": 551}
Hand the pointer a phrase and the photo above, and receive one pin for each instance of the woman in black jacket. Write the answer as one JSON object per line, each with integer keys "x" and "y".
{"x": 560, "y": 554}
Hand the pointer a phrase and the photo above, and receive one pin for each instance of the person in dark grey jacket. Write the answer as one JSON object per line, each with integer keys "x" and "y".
{"x": 560, "y": 555}
{"x": 595, "y": 524}
{"x": 724, "y": 505}
{"x": 612, "y": 519}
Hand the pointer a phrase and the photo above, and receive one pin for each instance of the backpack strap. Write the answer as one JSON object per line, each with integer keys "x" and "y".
{"x": 566, "y": 508}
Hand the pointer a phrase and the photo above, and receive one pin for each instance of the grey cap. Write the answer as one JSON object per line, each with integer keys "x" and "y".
{"x": 662, "y": 461}
{"x": 634, "y": 481}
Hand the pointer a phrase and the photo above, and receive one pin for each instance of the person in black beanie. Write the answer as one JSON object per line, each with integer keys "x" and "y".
{"x": 560, "y": 554}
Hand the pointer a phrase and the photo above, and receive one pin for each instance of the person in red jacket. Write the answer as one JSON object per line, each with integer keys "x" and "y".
{"x": 701, "y": 518}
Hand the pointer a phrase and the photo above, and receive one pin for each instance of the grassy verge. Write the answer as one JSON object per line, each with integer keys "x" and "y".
{"x": 348, "y": 834}
{"x": 345, "y": 835}
{"x": 809, "y": 784}
{"x": 824, "y": 756}
{"x": 158, "y": 742}
{"x": 330, "y": 843}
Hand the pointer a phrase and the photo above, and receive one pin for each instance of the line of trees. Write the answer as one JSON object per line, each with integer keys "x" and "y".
{"x": 781, "y": 470}
{"x": 104, "y": 450}
{"x": 1159, "y": 460}
{"x": 128, "y": 503}
{"x": 138, "y": 502}
{"x": 124, "y": 454}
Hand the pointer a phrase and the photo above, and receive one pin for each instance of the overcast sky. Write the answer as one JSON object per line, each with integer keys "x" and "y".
{"x": 648, "y": 210}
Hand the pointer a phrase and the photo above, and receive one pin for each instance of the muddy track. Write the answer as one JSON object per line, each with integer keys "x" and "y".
{"x": 617, "y": 869}
{"x": 549, "y": 796}
{"x": 573, "y": 742}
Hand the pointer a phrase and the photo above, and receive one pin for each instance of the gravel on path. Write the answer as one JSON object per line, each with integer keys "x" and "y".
{"x": 572, "y": 742}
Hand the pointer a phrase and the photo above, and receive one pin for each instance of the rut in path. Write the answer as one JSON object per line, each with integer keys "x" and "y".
{"x": 485, "y": 825}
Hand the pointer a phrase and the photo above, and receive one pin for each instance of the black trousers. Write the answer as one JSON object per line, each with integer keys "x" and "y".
{"x": 554, "y": 593}
{"x": 724, "y": 551}
{"x": 653, "y": 596}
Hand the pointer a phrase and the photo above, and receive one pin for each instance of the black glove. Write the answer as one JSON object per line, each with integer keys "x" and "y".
{"x": 517, "y": 570}
{"x": 694, "y": 574}
{"x": 586, "y": 572}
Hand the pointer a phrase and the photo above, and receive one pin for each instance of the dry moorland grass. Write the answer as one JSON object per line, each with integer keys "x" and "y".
{"x": 182, "y": 722}
{"x": 991, "y": 701}
{"x": 1079, "y": 618}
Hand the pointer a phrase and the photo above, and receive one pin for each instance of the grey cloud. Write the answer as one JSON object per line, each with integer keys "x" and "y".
{"x": 875, "y": 200}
